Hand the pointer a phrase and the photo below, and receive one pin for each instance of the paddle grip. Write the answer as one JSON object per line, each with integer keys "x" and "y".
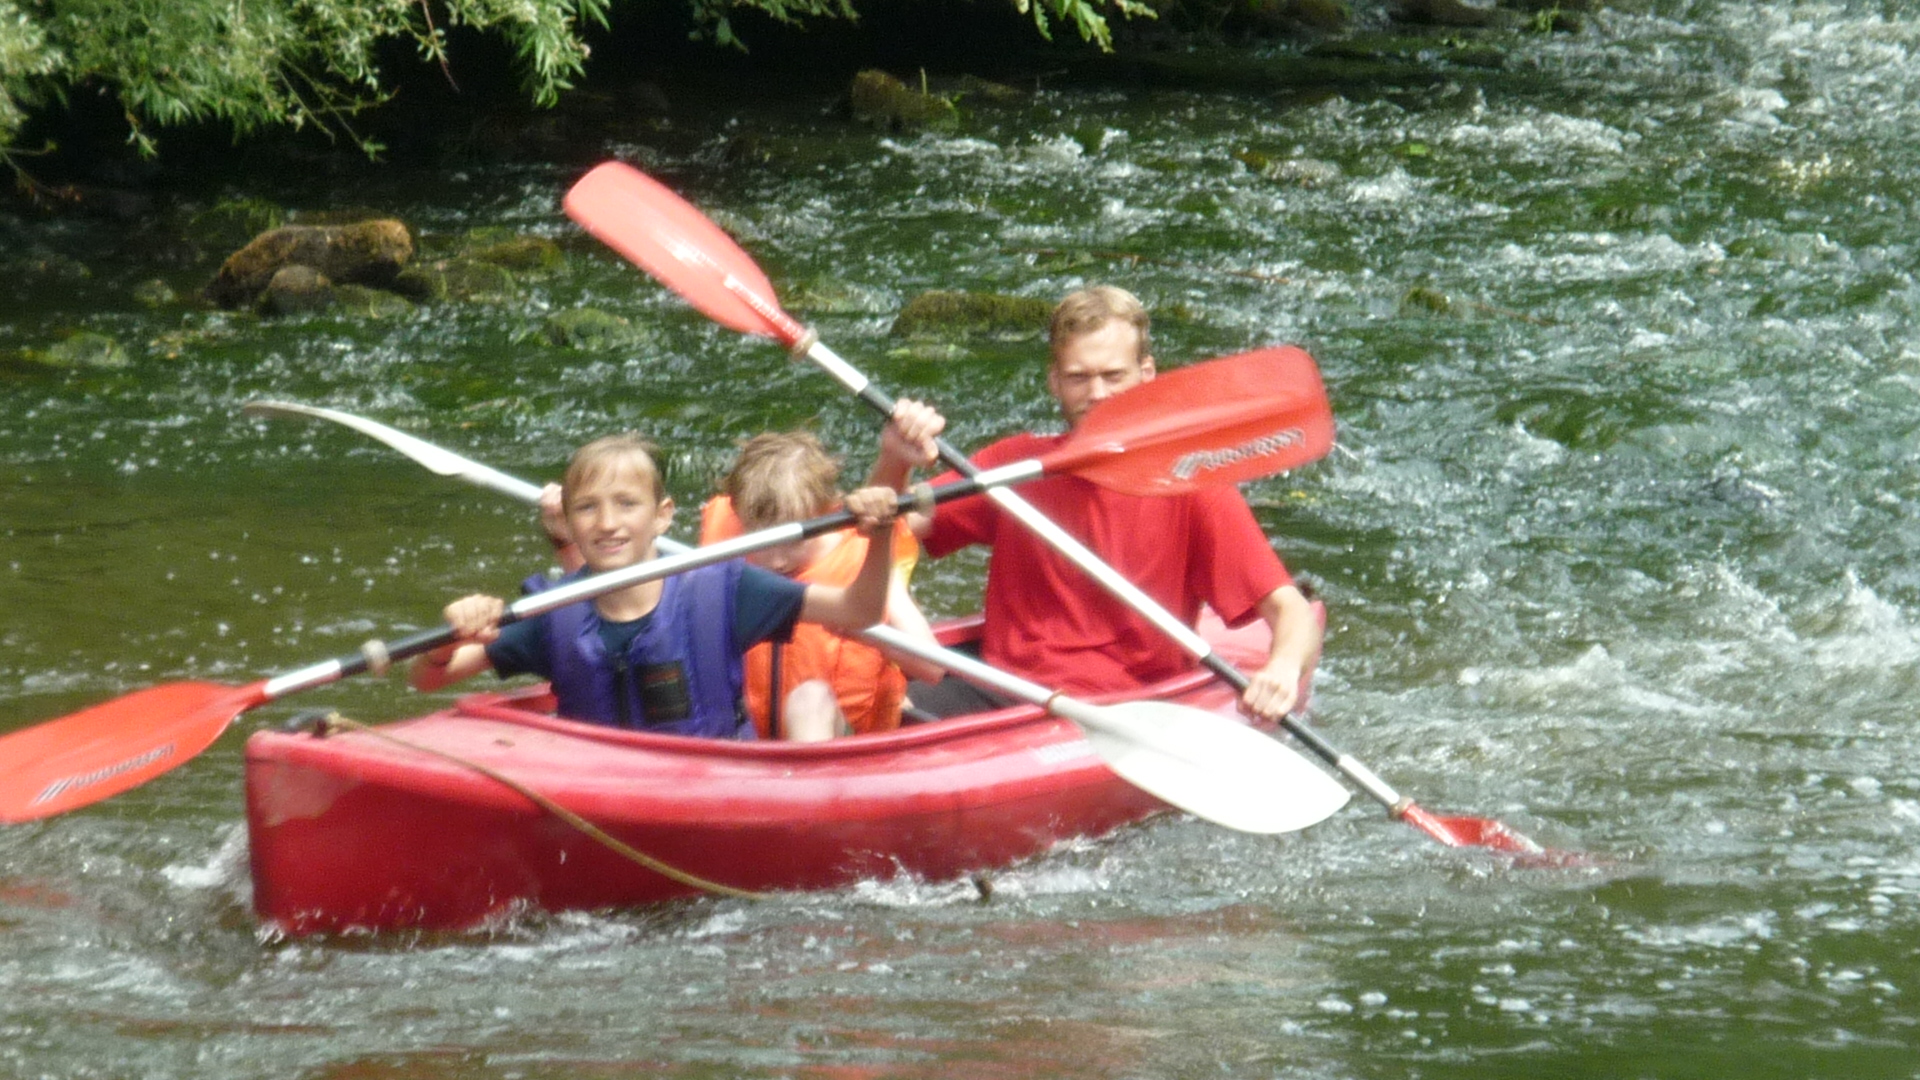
{"x": 409, "y": 646}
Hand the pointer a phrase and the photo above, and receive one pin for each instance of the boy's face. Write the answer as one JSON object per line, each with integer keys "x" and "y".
{"x": 1096, "y": 365}
{"x": 615, "y": 519}
{"x": 784, "y": 559}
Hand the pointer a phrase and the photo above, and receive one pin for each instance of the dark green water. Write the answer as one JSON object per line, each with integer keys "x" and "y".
{"x": 1616, "y": 548}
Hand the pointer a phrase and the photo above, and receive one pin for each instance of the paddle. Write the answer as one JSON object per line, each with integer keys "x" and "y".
{"x": 1201, "y": 762}
{"x": 443, "y": 462}
{"x": 1138, "y": 445}
{"x": 672, "y": 240}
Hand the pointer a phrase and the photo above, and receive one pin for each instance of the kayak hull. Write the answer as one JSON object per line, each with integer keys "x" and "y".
{"x": 449, "y": 821}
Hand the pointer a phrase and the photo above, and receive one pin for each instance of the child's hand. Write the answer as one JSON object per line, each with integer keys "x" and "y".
{"x": 874, "y": 509}
{"x": 476, "y": 618}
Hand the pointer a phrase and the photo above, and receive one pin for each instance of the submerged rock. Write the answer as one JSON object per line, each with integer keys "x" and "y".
{"x": 518, "y": 252}
{"x": 590, "y": 330}
{"x": 459, "y": 278}
{"x": 154, "y": 293}
{"x": 81, "y": 349}
{"x": 371, "y": 303}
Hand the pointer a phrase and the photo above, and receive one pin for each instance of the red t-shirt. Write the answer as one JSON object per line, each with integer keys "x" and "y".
{"x": 1049, "y": 621}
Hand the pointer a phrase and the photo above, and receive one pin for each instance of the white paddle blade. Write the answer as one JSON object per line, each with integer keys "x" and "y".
{"x": 435, "y": 458}
{"x": 1208, "y": 765}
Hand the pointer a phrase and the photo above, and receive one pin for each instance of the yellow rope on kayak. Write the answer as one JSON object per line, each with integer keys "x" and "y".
{"x": 335, "y": 722}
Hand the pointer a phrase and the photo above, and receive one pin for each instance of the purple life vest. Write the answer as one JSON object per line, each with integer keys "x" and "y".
{"x": 680, "y": 676}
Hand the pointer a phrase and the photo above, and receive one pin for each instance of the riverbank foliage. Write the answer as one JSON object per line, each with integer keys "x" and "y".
{"x": 254, "y": 65}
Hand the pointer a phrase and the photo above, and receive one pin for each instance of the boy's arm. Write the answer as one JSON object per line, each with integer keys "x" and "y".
{"x": 863, "y": 602}
{"x": 905, "y": 616}
{"x": 476, "y": 619}
{"x": 553, "y": 521}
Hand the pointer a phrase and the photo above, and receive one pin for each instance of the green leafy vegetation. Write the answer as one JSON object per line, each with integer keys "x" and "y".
{"x": 315, "y": 64}
{"x": 254, "y": 64}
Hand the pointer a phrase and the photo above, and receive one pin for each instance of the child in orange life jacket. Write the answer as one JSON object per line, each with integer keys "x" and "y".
{"x": 785, "y": 477}
{"x": 664, "y": 655}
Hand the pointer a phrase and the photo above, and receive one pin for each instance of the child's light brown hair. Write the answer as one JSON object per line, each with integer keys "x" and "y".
{"x": 781, "y": 477}
{"x": 605, "y": 456}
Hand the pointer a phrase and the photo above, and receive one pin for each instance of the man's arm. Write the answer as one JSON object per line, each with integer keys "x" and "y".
{"x": 1273, "y": 691}
{"x": 907, "y": 442}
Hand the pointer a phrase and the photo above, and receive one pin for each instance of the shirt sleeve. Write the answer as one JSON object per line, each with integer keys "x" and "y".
{"x": 521, "y": 649}
{"x": 1234, "y": 563}
{"x": 974, "y": 519}
{"x": 765, "y": 607}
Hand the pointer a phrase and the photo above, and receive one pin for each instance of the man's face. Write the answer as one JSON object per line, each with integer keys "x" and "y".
{"x": 1094, "y": 366}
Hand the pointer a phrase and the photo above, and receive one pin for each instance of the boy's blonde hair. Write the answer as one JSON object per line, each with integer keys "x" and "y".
{"x": 604, "y": 456}
{"x": 1091, "y": 308}
{"x": 781, "y": 477}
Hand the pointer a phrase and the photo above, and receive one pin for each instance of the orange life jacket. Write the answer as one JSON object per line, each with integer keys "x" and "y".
{"x": 869, "y": 686}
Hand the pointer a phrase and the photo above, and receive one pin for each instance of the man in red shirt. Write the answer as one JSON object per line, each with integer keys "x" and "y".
{"x": 1048, "y": 620}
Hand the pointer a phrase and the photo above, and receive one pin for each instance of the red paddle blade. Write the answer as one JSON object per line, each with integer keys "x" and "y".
{"x": 1495, "y": 836}
{"x": 1220, "y": 422}
{"x": 1471, "y": 832}
{"x": 664, "y": 234}
{"x": 101, "y": 751}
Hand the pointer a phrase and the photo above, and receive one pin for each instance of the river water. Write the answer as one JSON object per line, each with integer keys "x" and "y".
{"x": 1616, "y": 547}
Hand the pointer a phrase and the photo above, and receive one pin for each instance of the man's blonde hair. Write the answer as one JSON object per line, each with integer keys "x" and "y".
{"x": 1093, "y": 307}
{"x": 605, "y": 456}
{"x": 781, "y": 477}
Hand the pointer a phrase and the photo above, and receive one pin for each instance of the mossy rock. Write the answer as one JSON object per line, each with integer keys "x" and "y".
{"x": 1428, "y": 299}
{"x": 82, "y": 349}
{"x": 370, "y": 303}
{"x": 931, "y": 352}
{"x": 520, "y": 253}
{"x": 973, "y": 88}
{"x": 591, "y": 330}
{"x": 367, "y": 253}
{"x": 948, "y": 314}
{"x": 154, "y": 293}
{"x": 458, "y": 278}
{"x": 833, "y": 296}
{"x": 295, "y": 289}
{"x": 880, "y": 99}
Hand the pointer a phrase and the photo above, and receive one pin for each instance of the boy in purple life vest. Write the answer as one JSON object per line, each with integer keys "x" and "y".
{"x": 661, "y": 656}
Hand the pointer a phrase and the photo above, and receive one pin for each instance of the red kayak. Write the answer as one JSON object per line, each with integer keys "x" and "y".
{"x": 354, "y": 831}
